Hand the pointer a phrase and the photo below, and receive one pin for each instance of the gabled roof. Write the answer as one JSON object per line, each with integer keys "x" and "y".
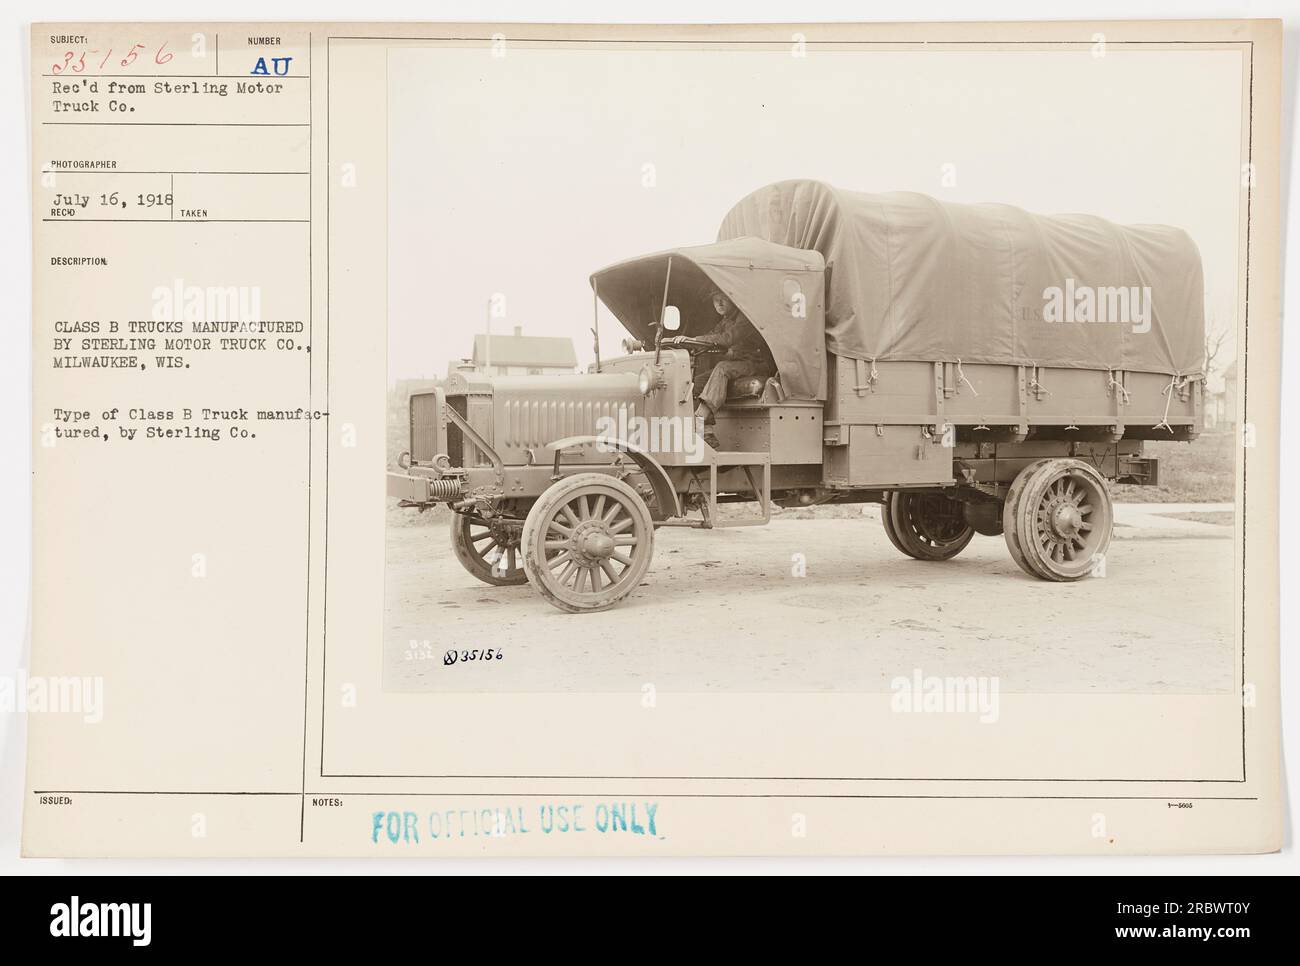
{"x": 526, "y": 350}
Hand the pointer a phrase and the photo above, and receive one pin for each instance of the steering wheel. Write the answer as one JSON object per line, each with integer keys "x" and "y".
{"x": 693, "y": 346}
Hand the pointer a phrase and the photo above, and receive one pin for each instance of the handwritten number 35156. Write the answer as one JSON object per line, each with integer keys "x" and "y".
{"x": 75, "y": 61}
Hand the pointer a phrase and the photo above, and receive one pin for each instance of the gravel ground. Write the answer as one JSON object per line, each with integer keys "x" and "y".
{"x": 721, "y": 611}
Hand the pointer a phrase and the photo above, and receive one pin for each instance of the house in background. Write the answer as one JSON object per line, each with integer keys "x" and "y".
{"x": 524, "y": 355}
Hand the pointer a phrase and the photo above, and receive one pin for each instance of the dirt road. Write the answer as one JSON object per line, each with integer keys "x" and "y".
{"x": 723, "y": 611}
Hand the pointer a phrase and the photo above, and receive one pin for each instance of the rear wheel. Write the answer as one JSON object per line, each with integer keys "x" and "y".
{"x": 1011, "y": 518}
{"x": 488, "y": 549}
{"x": 887, "y": 518}
{"x": 1063, "y": 518}
{"x": 587, "y": 542}
{"x": 927, "y": 526}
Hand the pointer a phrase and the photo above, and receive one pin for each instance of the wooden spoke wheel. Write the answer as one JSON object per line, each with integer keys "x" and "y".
{"x": 927, "y": 526}
{"x": 489, "y": 549}
{"x": 1011, "y": 521}
{"x": 587, "y": 542}
{"x": 1058, "y": 519}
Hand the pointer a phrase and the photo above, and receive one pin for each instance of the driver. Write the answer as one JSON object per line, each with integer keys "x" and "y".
{"x": 746, "y": 354}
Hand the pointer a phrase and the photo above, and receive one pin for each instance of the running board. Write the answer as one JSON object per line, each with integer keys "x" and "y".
{"x": 721, "y": 461}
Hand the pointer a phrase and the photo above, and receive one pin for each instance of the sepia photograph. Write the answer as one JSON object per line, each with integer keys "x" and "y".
{"x": 798, "y": 367}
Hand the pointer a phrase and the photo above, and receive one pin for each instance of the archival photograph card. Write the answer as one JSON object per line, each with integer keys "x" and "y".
{"x": 504, "y": 439}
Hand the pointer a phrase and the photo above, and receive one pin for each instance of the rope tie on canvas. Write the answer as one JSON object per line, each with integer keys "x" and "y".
{"x": 1168, "y": 392}
{"x": 962, "y": 376}
{"x": 1118, "y": 387}
{"x": 1034, "y": 385}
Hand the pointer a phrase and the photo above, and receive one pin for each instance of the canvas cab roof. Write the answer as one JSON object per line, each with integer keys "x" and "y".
{"x": 778, "y": 288}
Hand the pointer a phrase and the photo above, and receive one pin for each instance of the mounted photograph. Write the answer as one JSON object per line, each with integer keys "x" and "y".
{"x": 655, "y": 439}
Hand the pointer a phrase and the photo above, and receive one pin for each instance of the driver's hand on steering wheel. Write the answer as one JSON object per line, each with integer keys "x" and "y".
{"x": 674, "y": 340}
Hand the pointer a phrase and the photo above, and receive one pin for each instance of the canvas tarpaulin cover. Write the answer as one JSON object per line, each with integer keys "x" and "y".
{"x": 759, "y": 277}
{"x": 912, "y": 278}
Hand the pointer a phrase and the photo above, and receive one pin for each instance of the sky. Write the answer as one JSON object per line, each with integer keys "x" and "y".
{"x": 518, "y": 176}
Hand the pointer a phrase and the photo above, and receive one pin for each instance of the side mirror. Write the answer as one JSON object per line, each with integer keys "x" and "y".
{"x": 672, "y": 320}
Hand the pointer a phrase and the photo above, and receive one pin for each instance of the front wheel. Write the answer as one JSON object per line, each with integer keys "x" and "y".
{"x": 488, "y": 550}
{"x": 587, "y": 542}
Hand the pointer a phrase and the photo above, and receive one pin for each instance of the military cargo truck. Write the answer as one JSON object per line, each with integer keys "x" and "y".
{"x": 974, "y": 369}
